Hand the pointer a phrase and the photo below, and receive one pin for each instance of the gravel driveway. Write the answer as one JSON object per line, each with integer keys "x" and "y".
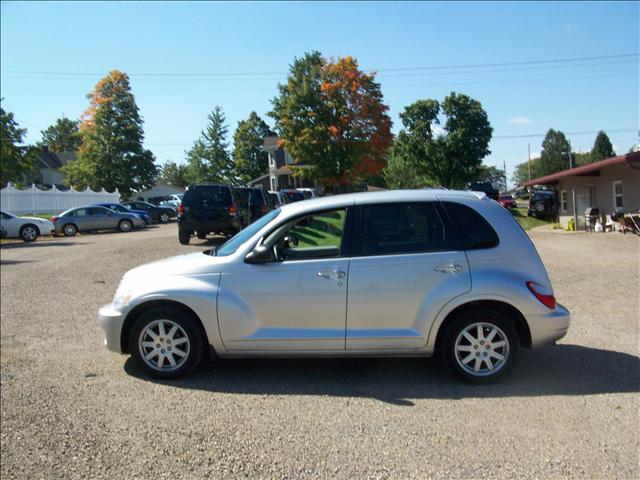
{"x": 71, "y": 409}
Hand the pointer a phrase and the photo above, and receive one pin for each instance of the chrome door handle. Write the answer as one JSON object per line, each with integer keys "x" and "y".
{"x": 448, "y": 268}
{"x": 332, "y": 273}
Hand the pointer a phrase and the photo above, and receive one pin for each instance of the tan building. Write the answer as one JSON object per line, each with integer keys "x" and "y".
{"x": 610, "y": 184}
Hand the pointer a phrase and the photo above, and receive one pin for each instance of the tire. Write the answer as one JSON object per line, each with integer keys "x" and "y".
{"x": 184, "y": 237}
{"x": 29, "y": 232}
{"x": 539, "y": 207}
{"x": 125, "y": 225}
{"x": 164, "y": 217}
{"x": 474, "y": 361}
{"x": 202, "y": 236}
{"x": 152, "y": 329}
{"x": 69, "y": 230}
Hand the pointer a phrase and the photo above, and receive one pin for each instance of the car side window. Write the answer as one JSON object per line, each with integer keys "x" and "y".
{"x": 474, "y": 231}
{"x": 315, "y": 236}
{"x": 80, "y": 212}
{"x": 399, "y": 228}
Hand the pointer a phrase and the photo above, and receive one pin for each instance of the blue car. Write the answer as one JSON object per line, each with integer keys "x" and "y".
{"x": 116, "y": 207}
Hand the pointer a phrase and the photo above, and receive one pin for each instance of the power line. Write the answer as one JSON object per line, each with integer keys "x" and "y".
{"x": 394, "y": 69}
{"x": 591, "y": 132}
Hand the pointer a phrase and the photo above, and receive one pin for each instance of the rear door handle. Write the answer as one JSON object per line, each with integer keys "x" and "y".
{"x": 450, "y": 268}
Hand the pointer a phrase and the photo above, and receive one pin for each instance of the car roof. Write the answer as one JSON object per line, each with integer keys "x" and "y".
{"x": 387, "y": 196}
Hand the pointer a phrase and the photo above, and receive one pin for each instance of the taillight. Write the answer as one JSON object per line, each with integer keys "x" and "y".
{"x": 53, "y": 219}
{"x": 232, "y": 209}
{"x": 544, "y": 295}
{"x": 180, "y": 209}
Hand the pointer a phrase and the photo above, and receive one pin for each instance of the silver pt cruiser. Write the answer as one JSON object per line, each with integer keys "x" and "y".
{"x": 399, "y": 273}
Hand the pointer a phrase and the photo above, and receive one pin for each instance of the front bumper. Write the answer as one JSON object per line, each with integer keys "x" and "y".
{"x": 550, "y": 327}
{"x": 111, "y": 320}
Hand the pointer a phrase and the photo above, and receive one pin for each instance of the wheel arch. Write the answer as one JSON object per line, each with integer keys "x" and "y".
{"x": 140, "y": 309}
{"x": 505, "y": 309}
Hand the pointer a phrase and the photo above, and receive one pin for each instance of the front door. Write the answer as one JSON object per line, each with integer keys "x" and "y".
{"x": 404, "y": 271}
{"x": 298, "y": 301}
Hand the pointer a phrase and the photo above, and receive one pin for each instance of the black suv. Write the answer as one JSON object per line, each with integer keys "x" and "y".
{"x": 543, "y": 204}
{"x": 485, "y": 187}
{"x": 251, "y": 204}
{"x": 207, "y": 209}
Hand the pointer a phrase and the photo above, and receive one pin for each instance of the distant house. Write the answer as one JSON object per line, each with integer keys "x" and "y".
{"x": 158, "y": 193}
{"x": 610, "y": 184}
{"x": 48, "y": 165}
{"x": 280, "y": 174}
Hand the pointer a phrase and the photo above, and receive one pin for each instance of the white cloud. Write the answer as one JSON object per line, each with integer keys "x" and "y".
{"x": 520, "y": 120}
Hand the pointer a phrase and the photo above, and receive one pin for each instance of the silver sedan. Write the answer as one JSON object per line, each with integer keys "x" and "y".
{"x": 87, "y": 219}
{"x": 404, "y": 273}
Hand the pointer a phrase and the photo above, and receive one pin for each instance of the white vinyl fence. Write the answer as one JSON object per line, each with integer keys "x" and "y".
{"x": 34, "y": 200}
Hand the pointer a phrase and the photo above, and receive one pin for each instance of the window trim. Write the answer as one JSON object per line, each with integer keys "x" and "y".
{"x": 358, "y": 229}
{"x": 564, "y": 199}
{"x": 616, "y": 195}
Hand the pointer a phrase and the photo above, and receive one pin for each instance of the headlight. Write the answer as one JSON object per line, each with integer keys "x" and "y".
{"x": 122, "y": 297}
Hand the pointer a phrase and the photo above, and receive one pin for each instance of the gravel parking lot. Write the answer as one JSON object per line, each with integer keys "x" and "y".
{"x": 71, "y": 409}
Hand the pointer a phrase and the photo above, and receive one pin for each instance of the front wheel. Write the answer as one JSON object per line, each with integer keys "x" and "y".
{"x": 184, "y": 237}
{"x": 125, "y": 226}
{"x": 166, "y": 343}
{"x": 480, "y": 345}
{"x": 164, "y": 217}
{"x": 69, "y": 230}
{"x": 29, "y": 233}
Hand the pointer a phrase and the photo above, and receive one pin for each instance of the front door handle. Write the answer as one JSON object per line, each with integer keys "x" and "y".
{"x": 328, "y": 274}
{"x": 450, "y": 268}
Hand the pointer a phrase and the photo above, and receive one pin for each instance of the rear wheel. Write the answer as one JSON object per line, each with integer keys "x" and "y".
{"x": 480, "y": 345}
{"x": 166, "y": 343}
{"x": 29, "y": 233}
{"x": 202, "y": 235}
{"x": 164, "y": 217}
{"x": 184, "y": 237}
{"x": 69, "y": 230}
{"x": 125, "y": 226}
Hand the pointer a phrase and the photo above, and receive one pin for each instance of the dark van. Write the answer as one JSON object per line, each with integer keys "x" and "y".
{"x": 207, "y": 209}
{"x": 251, "y": 204}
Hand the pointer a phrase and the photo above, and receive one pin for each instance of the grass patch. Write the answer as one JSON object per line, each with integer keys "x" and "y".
{"x": 520, "y": 214}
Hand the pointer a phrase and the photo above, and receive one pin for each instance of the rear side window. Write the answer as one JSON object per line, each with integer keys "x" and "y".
{"x": 208, "y": 196}
{"x": 474, "y": 231}
{"x": 397, "y": 228}
{"x": 246, "y": 195}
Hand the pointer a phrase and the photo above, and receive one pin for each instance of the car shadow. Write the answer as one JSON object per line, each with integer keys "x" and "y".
{"x": 559, "y": 370}
{"x": 12, "y": 262}
{"x": 49, "y": 243}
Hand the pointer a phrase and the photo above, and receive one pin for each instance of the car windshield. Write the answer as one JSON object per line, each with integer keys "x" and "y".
{"x": 231, "y": 245}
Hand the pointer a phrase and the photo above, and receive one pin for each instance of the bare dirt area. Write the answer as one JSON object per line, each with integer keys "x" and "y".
{"x": 72, "y": 409}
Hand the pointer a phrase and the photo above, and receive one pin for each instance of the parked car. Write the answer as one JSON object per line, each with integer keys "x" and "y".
{"x": 543, "y": 204}
{"x": 174, "y": 201}
{"x": 88, "y": 219}
{"x": 486, "y": 187}
{"x": 292, "y": 195}
{"x": 251, "y": 204}
{"x": 308, "y": 192}
{"x": 275, "y": 199}
{"x": 157, "y": 214}
{"x": 507, "y": 201}
{"x": 117, "y": 207}
{"x": 26, "y": 228}
{"x": 207, "y": 209}
{"x": 420, "y": 272}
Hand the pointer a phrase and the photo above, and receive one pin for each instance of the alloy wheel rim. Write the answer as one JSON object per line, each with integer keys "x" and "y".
{"x": 164, "y": 345}
{"x": 126, "y": 226}
{"x": 482, "y": 349}
{"x": 164, "y": 218}
{"x": 69, "y": 229}
{"x": 29, "y": 233}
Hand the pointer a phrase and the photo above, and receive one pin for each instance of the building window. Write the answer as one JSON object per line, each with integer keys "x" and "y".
{"x": 564, "y": 205}
{"x": 271, "y": 162}
{"x": 274, "y": 183}
{"x": 617, "y": 194}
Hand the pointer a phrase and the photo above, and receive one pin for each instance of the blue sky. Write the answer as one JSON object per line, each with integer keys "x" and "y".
{"x": 85, "y": 40}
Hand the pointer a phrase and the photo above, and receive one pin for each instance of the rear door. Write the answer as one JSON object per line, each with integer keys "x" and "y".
{"x": 102, "y": 218}
{"x": 406, "y": 266}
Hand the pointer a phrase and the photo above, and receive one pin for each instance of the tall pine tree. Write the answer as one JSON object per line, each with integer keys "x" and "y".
{"x": 555, "y": 152}
{"x": 209, "y": 161}
{"x": 602, "y": 147}
{"x": 111, "y": 154}
{"x": 250, "y": 160}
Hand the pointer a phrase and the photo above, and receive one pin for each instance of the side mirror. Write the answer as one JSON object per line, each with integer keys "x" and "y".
{"x": 290, "y": 241}
{"x": 260, "y": 254}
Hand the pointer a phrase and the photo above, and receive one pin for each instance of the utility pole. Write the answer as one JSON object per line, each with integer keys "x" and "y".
{"x": 504, "y": 165}
{"x": 529, "y": 150}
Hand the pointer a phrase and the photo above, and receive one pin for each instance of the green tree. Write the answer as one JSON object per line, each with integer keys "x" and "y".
{"x": 62, "y": 136}
{"x": 331, "y": 117}
{"x": 173, "y": 174}
{"x": 493, "y": 175}
{"x": 16, "y": 158}
{"x": 250, "y": 160}
{"x": 208, "y": 161}
{"x": 602, "y": 147}
{"x": 453, "y": 156}
{"x": 111, "y": 154}
{"x": 555, "y": 152}
{"x": 400, "y": 172}
{"x": 521, "y": 173}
